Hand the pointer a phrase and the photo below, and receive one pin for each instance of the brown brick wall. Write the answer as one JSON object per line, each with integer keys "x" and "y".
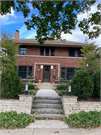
{"x": 33, "y": 50}
{"x": 64, "y": 62}
{"x": 59, "y": 51}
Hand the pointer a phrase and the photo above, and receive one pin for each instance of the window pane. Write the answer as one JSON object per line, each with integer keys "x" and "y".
{"x": 30, "y": 71}
{"x": 47, "y": 51}
{"x": 42, "y": 51}
{"x": 22, "y": 50}
{"x": 79, "y": 52}
{"x": 22, "y": 71}
{"x": 52, "y": 51}
{"x": 70, "y": 73}
{"x": 63, "y": 72}
{"x": 72, "y": 52}
{"x": 22, "y": 68}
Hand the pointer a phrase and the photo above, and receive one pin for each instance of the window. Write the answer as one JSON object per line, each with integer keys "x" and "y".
{"x": 24, "y": 71}
{"x": 72, "y": 52}
{"x": 68, "y": 73}
{"x": 79, "y": 52}
{"x": 22, "y": 50}
{"x": 47, "y": 51}
{"x": 52, "y": 51}
{"x": 63, "y": 72}
{"x": 42, "y": 51}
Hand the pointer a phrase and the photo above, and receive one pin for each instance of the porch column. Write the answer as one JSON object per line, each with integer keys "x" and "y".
{"x": 51, "y": 74}
{"x": 41, "y": 73}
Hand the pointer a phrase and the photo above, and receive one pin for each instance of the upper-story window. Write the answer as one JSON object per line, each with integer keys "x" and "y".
{"x": 79, "y": 52}
{"x": 47, "y": 51}
{"x": 52, "y": 51}
{"x": 42, "y": 51}
{"x": 72, "y": 52}
{"x": 22, "y": 50}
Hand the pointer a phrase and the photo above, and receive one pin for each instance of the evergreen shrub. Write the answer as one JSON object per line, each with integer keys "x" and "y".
{"x": 82, "y": 85}
{"x": 11, "y": 84}
{"x": 96, "y": 81}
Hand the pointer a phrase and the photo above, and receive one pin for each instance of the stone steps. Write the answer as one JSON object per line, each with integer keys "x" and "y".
{"x": 48, "y": 98}
{"x": 46, "y": 86}
{"x": 48, "y": 116}
{"x": 47, "y": 101}
{"x": 47, "y": 111}
{"x": 47, "y": 107}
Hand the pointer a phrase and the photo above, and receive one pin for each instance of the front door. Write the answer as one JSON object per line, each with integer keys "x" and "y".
{"x": 46, "y": 74}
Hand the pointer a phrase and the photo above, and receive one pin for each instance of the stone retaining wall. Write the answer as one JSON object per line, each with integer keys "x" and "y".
{"x": 24, "y": 104}
{"x": 70, "y": 105}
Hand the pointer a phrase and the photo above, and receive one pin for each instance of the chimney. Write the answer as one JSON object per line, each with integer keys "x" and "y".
{"x": 16, "y": 36}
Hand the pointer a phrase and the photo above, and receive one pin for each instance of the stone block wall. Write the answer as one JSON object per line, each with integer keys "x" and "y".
{"x": 24, "y": 104}
{"x": 70, "y": 105}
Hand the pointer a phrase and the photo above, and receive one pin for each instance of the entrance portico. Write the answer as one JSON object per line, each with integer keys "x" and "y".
{"x": 47, "y": 72}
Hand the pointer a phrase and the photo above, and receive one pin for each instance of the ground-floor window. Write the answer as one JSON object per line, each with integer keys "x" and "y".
{"x": 68, "y": 73}
{"x": 24, "y": 71}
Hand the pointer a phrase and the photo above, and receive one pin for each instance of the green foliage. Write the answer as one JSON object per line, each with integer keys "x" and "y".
{"x": 93, "y": 20}
{"x": 90, "y": 53}
{"x": 62, "y": 86}
{"x": 12, "y": 120}
{"x": 33, "y": 91}
{"x": 9, "y": 49}
{"x": 83, "y": 119}
{"x": 82, "y": 85}
{"x": 63, "y": 89}
{"x": 55, "y": 17}
{"x": 10, "y": 83}
{"x": 96, "y": 81}
{"x": 31, "y": 86}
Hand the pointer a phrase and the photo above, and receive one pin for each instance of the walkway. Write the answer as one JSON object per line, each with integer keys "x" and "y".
{"x": 50, "y": 127}
{"x": 45, "y": 92}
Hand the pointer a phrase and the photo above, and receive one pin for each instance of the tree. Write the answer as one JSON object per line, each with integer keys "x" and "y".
{"x": 54, "y": 17}
{"x": 90, "y": 61}
{"x": 8, "y": 49}
{"x": 93, "y": 21}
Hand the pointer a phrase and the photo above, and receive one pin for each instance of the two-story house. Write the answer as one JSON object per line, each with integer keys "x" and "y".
{"x": 47, "y": 62}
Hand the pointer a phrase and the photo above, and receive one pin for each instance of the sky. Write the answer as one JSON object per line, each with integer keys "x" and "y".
{"x": 15, "y": 21}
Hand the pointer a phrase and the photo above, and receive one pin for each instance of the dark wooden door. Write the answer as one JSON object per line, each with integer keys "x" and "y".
{"x": 46, "y": 74}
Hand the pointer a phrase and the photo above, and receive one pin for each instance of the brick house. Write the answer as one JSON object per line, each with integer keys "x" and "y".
{"x": 48, "y": 62}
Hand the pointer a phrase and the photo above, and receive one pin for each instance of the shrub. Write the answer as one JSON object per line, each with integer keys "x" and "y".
{"x": 11, "y": 120}
{"x": 96, "y": 81}
{"x": 62, "y": 86}
{"x": 82, "y": 85}
{"x": 63, "y": 89}
{"x": 84, "y": 119}
{"x": 63, "y": 92}
{"x": 31, "y": 86}
{"x": 10, "y": 84}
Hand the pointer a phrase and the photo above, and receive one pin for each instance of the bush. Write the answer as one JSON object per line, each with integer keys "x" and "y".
{"x": 82, "y": 85}
{"x": 10, "y": 84}
{"x": 84, "y": 119}
{"x": 62, "y": 86}
{"x": 11, "y": 120}
{"x": 96, "y": 81}
{"x": 62, "y": 89}
{"x": 31, "y": 86}
{"x": 63, "y": 92}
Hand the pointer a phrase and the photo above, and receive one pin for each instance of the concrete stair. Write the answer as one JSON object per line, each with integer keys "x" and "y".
{"x": 46, "y": 86}
{"x": 47, "y": 107}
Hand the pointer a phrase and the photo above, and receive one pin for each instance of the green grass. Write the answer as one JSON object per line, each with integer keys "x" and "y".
{"x": 58, "y": 91}
{"x": 12, "y": 120}
{"x": 33, "y": 91}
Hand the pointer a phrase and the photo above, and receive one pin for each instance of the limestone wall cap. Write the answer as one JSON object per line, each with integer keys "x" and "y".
{"x": 70, "y": 96}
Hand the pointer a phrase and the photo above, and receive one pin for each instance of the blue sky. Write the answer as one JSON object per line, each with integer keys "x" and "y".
{"x": 15, "y": 21}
